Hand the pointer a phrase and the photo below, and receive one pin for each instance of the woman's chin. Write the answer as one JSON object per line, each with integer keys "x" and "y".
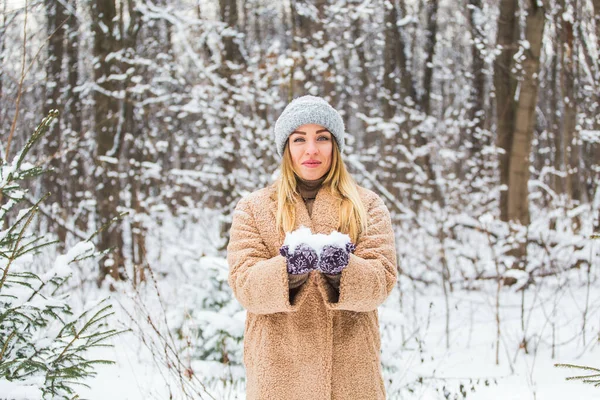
{"x": 311, "y": 175}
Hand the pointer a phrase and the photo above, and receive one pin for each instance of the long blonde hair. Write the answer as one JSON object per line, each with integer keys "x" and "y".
{"x": 352, "y": 217}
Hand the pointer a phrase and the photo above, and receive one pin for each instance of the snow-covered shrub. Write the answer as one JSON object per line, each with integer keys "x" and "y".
{"x": 43, "y": 342}
{"x": 214, "y": 325}
{"x": 184, "y": 313}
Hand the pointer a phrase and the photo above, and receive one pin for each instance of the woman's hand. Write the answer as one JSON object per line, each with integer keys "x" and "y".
{"x": 334, "y": 259}
{"x": 303, "y": 260}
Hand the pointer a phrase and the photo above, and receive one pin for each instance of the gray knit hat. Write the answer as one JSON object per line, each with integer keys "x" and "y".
{"x": 308, "y": 110}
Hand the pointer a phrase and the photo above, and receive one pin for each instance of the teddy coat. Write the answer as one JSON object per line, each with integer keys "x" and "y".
{"x": 320, "y": 343}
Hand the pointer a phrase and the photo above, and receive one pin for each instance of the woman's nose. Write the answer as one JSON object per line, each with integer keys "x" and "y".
{"x": 312, "y": 147}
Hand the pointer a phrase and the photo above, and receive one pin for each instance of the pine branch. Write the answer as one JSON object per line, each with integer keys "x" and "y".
{"x": 59, "y": 359}
{"x": 108, "y": 223}
{"x": 12, "y": 258}
{"x": 577, "y": 367}
{"x": 59, "y": 222}
{"x": 86, "y": 326}
{"x": 583, "y": 378}
{"x": 6, "y": 344}
{"x": 34, "y": 248}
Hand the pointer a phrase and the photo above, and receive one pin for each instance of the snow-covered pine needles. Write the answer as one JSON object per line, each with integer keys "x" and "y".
{"x": 43, "y": 341}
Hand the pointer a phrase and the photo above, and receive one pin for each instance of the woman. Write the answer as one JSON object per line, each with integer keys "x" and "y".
{"x": 312, "y": 335}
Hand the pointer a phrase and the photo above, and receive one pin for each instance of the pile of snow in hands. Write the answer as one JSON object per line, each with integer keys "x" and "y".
{"x": 315, "y": 241}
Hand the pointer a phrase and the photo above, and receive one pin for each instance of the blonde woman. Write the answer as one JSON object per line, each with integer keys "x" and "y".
{"x": 312, "y": 329}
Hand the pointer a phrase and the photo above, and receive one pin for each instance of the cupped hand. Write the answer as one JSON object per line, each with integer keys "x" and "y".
{"x": 333, "y": 259}
{"x": 301, "y": 261}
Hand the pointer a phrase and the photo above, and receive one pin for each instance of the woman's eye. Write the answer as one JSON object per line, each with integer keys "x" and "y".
{"x": 302, "y": 139}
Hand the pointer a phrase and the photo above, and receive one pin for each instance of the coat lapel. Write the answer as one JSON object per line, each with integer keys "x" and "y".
{"x": 325, "y": 212}
{"x": 302, "y": 217}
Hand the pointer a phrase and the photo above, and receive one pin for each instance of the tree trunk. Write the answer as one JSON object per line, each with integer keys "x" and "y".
{"x": 245, "y": 26}
{"x": 2, "y": 47}
{"x": 360, "y": 54}
{"x": 505, "y": 85}
{"x": 408, "y": 94}
{"x": 296, "y": 46}
{"x": 477, "y": 112}
{"x": 424, "y": 161}
{"x": 554, "y": 117}
{"x": 52, "y": 181}
{"x": 106, "y": 120}
{"x": 398, "y": 89}
{"x": 596, "y": 4}
{"x": 135, "y": 140}
{"x": 396, "y": 67}
{"x": 258, "y": 39}
{"x": 77, "y": 184}
{"x": 567, "y": 84}
{"x": 311, "y": 34}
{"x": 389, "y": 59}
{"x": 518, "y": 199}
{"x": 358, "y": 37}
{"x": 229, "y": 161}
{"x": 301, "y": 29}
{"x": 229, "y": 15}
{"x": 430, "y": 51}
{"x": 328, "y": 76}
{"x": 261, "y": 109}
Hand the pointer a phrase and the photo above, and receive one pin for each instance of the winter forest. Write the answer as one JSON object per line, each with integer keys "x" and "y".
{"x": 131, "y": 128}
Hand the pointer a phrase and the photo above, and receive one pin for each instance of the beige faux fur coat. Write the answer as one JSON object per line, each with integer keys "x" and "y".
{"x": 320, "y": 344}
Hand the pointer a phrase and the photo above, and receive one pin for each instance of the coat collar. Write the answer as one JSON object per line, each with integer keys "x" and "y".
{"x": 325, "y": 212}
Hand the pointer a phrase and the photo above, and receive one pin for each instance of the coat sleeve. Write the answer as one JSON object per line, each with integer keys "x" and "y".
{"x": 259, "y": 282}
{"x": 372, "y": 269}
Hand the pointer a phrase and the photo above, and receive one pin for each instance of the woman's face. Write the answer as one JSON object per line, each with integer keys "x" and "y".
{"x": 311, "y": 147}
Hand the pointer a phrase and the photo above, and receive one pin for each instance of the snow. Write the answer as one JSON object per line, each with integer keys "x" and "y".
{"x": 521, "y": 276}
{"x": 405, "y": 21}
{"x": 61, "y": 268}
{"x": 184, "y": 319}
{"x": 103, "y": 27}
{"x": 117, "y": 77}
{"x": 23, "y": 212}
{"x": 196, "y": 305}
{"x": 21, "y": 390}
{"x": 25, "y": 166}
{"x": 469, "y": 361}
{"x": 590, "y": 136}
{"x": 316, "y": 241}
{"x": 108, "y": 159}
{"x": 109, "y": 262}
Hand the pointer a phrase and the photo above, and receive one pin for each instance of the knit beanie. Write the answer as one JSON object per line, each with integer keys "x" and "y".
{"x": 308, "y": 110}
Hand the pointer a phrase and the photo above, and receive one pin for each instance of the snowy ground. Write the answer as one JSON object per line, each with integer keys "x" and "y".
{"x": 470, "y": 361}
{"x": 420, "y": 362}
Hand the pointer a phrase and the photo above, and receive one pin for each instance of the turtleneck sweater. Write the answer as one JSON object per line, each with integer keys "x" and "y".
{"x": 308, "y": 190}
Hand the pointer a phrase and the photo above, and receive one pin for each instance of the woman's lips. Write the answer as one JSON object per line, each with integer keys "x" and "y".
{"x": 311, "y": 164}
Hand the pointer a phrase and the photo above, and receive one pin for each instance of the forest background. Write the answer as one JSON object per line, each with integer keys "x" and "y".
{"x": 476, "y": 121}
